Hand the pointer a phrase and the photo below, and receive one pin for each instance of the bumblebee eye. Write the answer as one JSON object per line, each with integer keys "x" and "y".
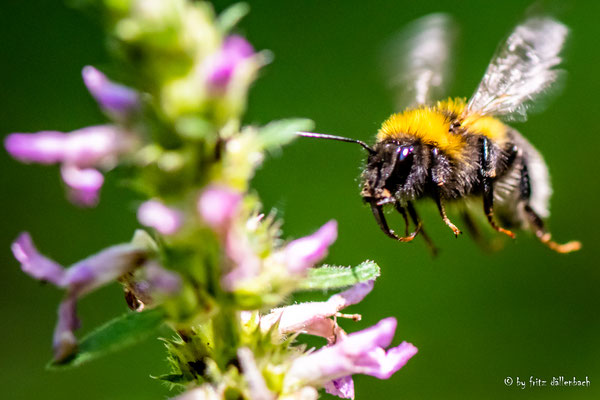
{"x": 405, "y": 152}
{"x": 404, "y": 162}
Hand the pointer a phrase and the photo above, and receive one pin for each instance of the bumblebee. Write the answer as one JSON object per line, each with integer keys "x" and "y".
{"x": 461, "y": 151}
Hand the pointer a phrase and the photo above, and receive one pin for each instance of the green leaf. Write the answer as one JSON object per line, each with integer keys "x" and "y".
{"x": 334, "y": 277}
{"x": 121, "y": 332}
{"x": 173, "y": 379}
{"x": 230, "y": 17}
{"x": 278, "y": 133}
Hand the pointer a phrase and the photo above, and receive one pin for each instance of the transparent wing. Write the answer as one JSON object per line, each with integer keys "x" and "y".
{"x": 521, "y": 70}
{"x": 417, "y": 60}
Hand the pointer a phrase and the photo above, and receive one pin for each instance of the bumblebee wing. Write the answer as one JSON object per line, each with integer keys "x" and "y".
{"x": 521, "y": 70}
{"x": 417, "y": 60}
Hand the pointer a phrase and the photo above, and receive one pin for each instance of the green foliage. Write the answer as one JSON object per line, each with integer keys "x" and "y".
{"x": 190, "y": 154}
{"x": 231, "y": 16}
{"x": 121, "y": 332}
{"x": 335, "y": 277}
{"x": 278, "y": 133}
{"x": 172, "y": 380}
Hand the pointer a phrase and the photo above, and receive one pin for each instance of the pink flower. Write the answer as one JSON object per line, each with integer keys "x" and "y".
{"x": 203, "y": 392}
{"x": 117, "y": 100}
{"x": 341, "y": 387}
{"x": 314, "y": 318}
{"x": 305, "y": 252}
{"x": 86, "y": 147}
{"x": 35, "y": 264}
{"x": 256, "y": 382}
{"x": 64, "y": 340}
{"x": 164, "y": 219}
{"x": 217, "y": 206}
{"x": 84, "y": 184}
{"x": 296, "y": 257}
{"x": 245, "y": 263}
{"x": 47, "y": 147}
{"x": 83, "y": 277}
{"x": 148, "y": 285}
{"x": 358, "y": 353}
{"x": 79, "y": 152}
{"x": 221, "y": 67}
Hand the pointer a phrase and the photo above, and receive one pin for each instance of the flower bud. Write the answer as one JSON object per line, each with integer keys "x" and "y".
{"x": 305, "y": 252}
{"x": 164, "y": 219}
{"x": 116, "y": 100}
{"x": 84, "y": 184}
{"x": 46, "y": 147}
{"x": 217, "y": 206}
{"x": 35, "y": 264}
{"x": 221, "y": 67}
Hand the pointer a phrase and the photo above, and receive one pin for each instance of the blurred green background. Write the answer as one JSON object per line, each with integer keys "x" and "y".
{"x": 476, "y": 318}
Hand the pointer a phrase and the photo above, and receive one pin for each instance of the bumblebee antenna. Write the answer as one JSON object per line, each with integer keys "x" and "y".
{"x": 338, "y": 138}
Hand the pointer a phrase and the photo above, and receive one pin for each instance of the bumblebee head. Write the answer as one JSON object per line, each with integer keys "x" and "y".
{"x": 394, "y": 168}
{"x": 395, "y": 173}
{"x": 388, "y": 171}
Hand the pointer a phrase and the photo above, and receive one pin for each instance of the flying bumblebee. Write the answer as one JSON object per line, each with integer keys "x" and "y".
{"x": 460, "y": 151}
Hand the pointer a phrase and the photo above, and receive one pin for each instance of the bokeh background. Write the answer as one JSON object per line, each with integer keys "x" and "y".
{"x": 476, "y": 318}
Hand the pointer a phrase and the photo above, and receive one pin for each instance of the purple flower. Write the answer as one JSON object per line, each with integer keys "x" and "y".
{"x": 117, "y": 100}
{"x": 85, "y": 275}
{"x": 204, "y": 392}
{"x": 161, "y": 280}
{"x": 245, "y": 263}
{"x": 314, "y": 317}
{"x": 79, "y": 152}
{"x": 358, "y": 353}
{"x": 148, "y": 285}
{"x": 35, "y": 264}
{"x": 84, "y": 184}
{"x": 304, "y": 253}
{"x": 341, "y": 387}
{"x": 218, "y": 205}
{"x": 45, "y": 147}
{"x": 79, "y": 279}
{"x": 64, "y": 341}
{"x": 221, "y": 67}
{"x": 87, "y": 147}
{"x": 256, "y": 382}
{"x": 154, "y": 214}
{"x": 296, "y": 257}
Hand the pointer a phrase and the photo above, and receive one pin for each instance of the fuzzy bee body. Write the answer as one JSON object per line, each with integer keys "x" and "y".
{"x": 448, "y": 154}
{"x": 459, "y": 151}
{"x": 452, "y": 161}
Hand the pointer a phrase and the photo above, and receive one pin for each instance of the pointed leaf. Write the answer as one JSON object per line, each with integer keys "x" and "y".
{"x": 121, "y": 332}
{"x": 278, "y": 133}
{"x": 230, "y": 17}
{"x": 172, "y": 379}
{"x": 334, "y": 277}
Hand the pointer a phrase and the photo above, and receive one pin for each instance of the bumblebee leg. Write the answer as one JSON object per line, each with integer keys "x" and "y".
{"x": 439, "y": 173}
{"x": 488, "y": 173}
{"x": 545, "y": 237}
{"x": 402, "y": 212}
{"x": 417, "y": 221}
{"x": 419, "y": 226}
{"x": 380, "y": 218}
{"x": 488, "y": 208}
{"x": 442, "y": 209}
{"x": 485, "y": 244}
{"x": 536, "y": 222}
